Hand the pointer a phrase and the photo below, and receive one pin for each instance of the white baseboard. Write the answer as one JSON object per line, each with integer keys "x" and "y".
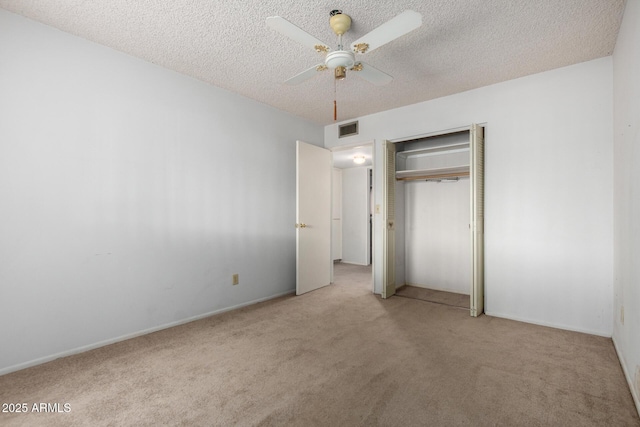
{"x": 435, "y": 288}
{"x": 549, "y": 324}
{"x": 627, "y": 375}
{"x": 99, "y": 344}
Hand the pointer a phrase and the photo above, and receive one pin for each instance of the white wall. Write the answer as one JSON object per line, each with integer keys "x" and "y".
{"x": 626, "y": 67}
{"x": 549, "y": 169}
{"x": 130, "y": 195}
{"x": 355, "y": 215}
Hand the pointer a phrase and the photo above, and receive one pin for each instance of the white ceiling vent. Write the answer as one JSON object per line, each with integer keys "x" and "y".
{"x": 348, "y": 129}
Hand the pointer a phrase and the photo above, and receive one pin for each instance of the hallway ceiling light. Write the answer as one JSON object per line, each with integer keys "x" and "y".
{"x": 358, "y": 160}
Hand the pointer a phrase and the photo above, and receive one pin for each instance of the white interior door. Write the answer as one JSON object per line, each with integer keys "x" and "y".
{"x": 389, "y": 229}
{"x": 477, "y": 219}
{"x": 313, "y": 217}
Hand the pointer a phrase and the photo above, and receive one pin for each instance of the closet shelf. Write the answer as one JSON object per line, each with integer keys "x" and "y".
{"x": 440, "y": 149}
{"x": 433, "y": 173}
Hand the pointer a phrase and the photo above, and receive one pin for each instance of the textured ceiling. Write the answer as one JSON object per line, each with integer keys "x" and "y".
{"x": 462, "y": 44}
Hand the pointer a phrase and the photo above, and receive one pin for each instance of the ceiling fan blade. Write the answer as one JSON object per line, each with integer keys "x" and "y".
{"x": 402, "y": 24}
{"x": 305, "y": 75}
{"x": 295, "y": 33}
{"x": 371, "y": 74}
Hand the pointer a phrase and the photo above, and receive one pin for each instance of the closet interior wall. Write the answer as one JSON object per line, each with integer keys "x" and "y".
{"x": 434, "y": 205}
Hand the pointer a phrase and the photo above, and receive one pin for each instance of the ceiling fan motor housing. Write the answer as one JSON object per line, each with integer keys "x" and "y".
{"x": 339, "y": 22}
{"x": 340, "y": 58}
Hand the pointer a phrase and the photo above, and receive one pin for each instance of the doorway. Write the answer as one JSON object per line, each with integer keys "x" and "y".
{"x": 436, "y": 182}
{"x": 352, "y": 229}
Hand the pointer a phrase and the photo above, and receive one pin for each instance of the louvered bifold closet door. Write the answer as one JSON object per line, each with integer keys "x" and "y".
{"x": 389, "y": 234}
{"x": 477, "y": 219}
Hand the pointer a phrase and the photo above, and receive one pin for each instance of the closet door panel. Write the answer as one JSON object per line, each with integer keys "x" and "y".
{"x": 389, "y": 238}
{"x": 477, "y": 219}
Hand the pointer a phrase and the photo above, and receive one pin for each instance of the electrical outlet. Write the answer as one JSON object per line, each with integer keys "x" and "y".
{"x": 622, "y": 314}
{"x": 235, "y": 279}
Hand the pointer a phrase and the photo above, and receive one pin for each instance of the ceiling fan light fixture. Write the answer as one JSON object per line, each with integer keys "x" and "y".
{"x": 340, "y": 73}
{"x": 340, "y": 58}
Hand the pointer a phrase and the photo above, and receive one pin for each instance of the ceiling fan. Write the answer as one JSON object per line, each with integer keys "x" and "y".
{"x": 342, "y": 59}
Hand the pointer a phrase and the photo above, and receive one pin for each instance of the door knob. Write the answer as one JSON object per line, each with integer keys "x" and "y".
{"x": 301, "y": 225}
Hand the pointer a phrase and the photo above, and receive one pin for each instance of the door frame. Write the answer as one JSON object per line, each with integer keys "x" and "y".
{"x": 473, "y": 308}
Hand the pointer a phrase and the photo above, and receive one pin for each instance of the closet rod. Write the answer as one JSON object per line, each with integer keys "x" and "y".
{"x": 435, "y": 176}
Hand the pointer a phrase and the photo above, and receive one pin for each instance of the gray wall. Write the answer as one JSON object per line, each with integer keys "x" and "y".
{"x": 130, "y": 195}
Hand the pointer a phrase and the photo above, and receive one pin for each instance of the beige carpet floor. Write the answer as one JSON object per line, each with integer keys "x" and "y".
{"x": 338, "y": 356}
{"x": 432, "y": 295}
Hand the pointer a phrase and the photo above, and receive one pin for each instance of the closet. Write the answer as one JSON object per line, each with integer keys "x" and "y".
{"x": 439, "y": 215}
